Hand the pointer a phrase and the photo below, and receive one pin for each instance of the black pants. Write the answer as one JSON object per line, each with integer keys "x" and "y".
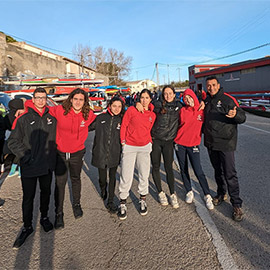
{"x": 166, "y": 149}
{"x": 182, "y": 153}
{"x": 225, "y": 173}
{"x": 29, "y": 190}
{"x": 103, "y": 181}
{"x": 65, "y": 162}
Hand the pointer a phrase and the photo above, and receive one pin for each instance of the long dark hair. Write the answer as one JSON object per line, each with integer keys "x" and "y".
{"x": 117, "y": 98}
{"x": 67, "y": 105}
{"x": 163, "y": 109}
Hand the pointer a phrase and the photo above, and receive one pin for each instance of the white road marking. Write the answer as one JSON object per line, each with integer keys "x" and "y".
{"x": 245, "y": 125}
{"x": 223, "y": 254}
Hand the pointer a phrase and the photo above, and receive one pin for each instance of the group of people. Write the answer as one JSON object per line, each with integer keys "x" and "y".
{"x": 51, "y": 139}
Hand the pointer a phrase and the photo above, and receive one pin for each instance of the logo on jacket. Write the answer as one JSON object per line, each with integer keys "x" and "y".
{"x": 219, "y": 103}
{"x": 103, "y": 122}
{"x": 150, "y": 119}
{"x": 82, "y": 124}
{"x": 33, "y": 122}
{"x": 118, "y": 126}
{"x": 199, "y": 118}
{"x": 49, "y": 121}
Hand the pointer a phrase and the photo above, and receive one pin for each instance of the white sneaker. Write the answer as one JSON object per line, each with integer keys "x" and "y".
{"x": 208, "y": 202}
{"x": 162, "y": 198}
{"x": 189, "y": 197}
{"x": 174, "y": 201}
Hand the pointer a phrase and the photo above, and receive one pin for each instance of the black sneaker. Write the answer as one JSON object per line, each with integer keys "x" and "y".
{"x": 122, "y": 211}
{"x": 237, "y": 214}
{"x": 217, "y": 200}
{"x": 22, "y": 237}
{"x": 143, "y": 207}
{"x": 59, "y": 221}
{"x": 46, "y": 224}
{"x": 77, "y": 210}
{"x": 112, "y": 208}
{"x": 2, "y": 202}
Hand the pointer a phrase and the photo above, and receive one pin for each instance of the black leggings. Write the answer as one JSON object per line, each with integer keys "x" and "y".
{"x": 65, "y": 162}
{"x": 166, "y": 148}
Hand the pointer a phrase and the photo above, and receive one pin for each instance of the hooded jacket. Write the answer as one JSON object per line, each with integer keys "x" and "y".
{"x": 166, "y": 124}
{"x": 32, "y": 140}
{"x": 71, "y": 129}
{"x": 220, "y": 132}
{"x": 106, "y": 152}
{"x": 191, "y": 120}
{"x": 136, "y": 126}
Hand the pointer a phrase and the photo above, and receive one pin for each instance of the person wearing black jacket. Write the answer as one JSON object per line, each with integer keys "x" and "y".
{"x": 32, "y": 140}
{"x": 222, "y": 115}
{"x": 106, "y": 152}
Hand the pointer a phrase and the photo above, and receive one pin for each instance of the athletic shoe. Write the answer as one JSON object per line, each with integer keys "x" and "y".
{"x": 112, "y": 208}
{"x": 2, "y": 202}
{"x": 208, "y": 202}
{"x": 46, "y": 224}
{"x": 217, "y": 200}
{"x": 174, "y": 201}
{"x": 2, "y": 168}
{"x": 143, "y": 207}
{"x": 13, "y": 171}
{"x": 189, "y": 197}
{"x": 122, "y": 211}
{"x": 237, "y": 214}
{"x": 162, "y": 198}
{"x": 77, "y": 210}
{"x": 59, "y": 221}
{"x": 22, "y": 237}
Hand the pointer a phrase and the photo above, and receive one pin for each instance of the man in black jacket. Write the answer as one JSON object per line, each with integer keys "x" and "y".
{"x": 222, "y": 114}
{"x": 32, "y": 140}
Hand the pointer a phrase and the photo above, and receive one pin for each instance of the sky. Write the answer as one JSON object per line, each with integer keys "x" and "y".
{"x": 175, "y": 34}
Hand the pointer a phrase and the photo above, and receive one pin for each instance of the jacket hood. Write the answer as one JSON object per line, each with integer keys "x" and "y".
{"x": 192, "y": 94}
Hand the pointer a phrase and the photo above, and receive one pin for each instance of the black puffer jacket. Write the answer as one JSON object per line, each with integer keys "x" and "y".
{"x": 220, "y": 132}
{"x": 166, "y": 124}
{"x": 33, "y": 142}
{"x": 106, "y": 152}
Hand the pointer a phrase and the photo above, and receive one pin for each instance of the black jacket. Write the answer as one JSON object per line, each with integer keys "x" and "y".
{"x": 166, "y": 124}
{"x": 33, "y": 142}
{"x": 220, "y": 132}
{"x": 106, "y": 152}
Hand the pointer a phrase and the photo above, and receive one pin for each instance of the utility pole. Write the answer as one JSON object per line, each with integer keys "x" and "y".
{"x": 168, "y": 67}
{"x": 157, "y": 74}
{"x": 81, "y": 66}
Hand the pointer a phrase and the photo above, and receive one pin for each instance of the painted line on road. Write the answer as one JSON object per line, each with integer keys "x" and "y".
{"x": 223, "y": 254}
{"x": 245, "y": 125}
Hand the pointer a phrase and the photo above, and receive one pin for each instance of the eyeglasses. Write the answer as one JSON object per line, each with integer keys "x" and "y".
{"x": 40, "y": 98}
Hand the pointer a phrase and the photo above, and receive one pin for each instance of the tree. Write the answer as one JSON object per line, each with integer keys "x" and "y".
{"x": 111, "y": 62}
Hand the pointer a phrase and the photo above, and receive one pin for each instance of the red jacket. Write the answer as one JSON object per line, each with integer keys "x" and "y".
{"x": 136, "y": 126}
{"x": 71, "y": 129}
{"x": 190, "y": 130}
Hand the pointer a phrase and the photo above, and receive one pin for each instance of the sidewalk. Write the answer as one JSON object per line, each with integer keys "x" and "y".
{"x": 164, "y": 239}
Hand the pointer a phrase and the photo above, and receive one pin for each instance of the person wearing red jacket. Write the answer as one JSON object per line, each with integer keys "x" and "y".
{"x": 73, "y": 117}
{"x": 187, "y": 141}
{"x": 135, "y": 135}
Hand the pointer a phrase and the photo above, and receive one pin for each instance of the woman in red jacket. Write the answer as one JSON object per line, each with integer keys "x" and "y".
{"x": 137, "y": 145}
{"x": 187, "y": 141}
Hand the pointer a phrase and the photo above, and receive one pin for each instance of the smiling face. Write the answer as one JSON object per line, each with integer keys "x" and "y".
{"x": 168, "y": 94}
{"x": 77, "y": 102}
{"x": 39, "y": 100}
{"x": 212, "y": 87}
{"x": 145, "y": 100}
{"x": 116, "y": 107}
{"x": 189, "y": 100}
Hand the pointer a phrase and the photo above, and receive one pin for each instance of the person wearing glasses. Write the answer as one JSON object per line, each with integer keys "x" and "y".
{"x": 33, "y": 141}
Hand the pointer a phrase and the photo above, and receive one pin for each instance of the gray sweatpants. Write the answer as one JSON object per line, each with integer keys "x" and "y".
{"x": 131, "y": 156}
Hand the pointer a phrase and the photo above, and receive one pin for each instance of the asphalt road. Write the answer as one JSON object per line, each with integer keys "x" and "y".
{"x": 164, "y": 239}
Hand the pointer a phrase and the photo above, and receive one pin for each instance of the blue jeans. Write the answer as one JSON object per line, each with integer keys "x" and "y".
{"x": 193, "y": 153}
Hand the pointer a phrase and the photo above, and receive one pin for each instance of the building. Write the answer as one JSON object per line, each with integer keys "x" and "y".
{"x": 137, "y": 86}
{"x": 250, "y": 76}
{"x": 19, "y": 59}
